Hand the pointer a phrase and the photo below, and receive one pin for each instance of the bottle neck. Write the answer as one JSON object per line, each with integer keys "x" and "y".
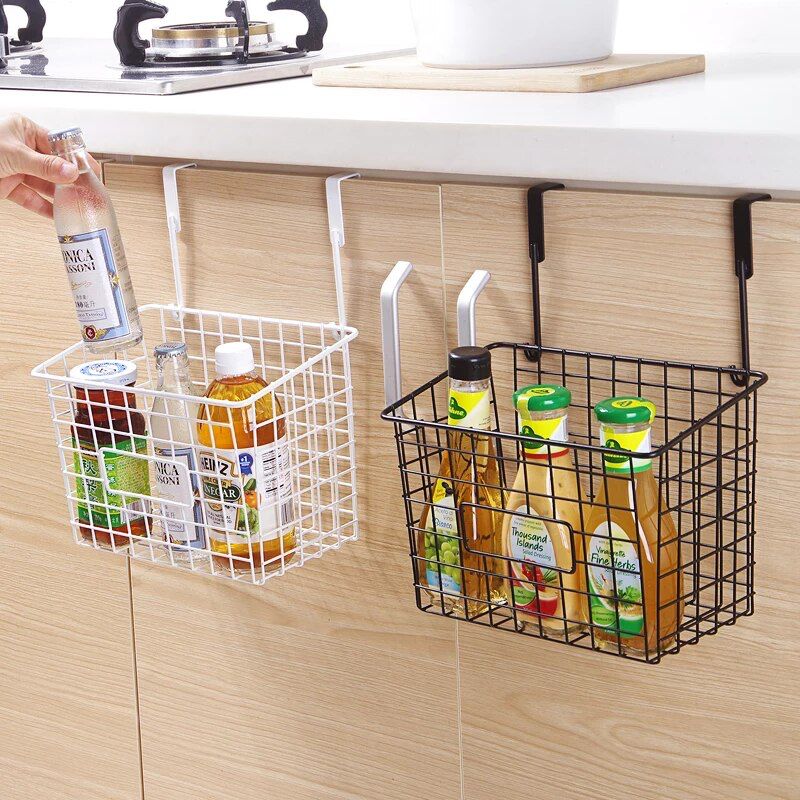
{"x": 470, "y": 404}
{"x": 541, "y": 429}
{"x": 173, "y": 375}
{"x": 626, "y": 439}
{"x": 79, "y": 156}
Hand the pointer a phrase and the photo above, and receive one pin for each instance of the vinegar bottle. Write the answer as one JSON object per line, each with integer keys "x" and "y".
{"x": 546, "y": 584}
{"x": 172, "y": 424}
{"x": 93, "y": 253}
{"x": 468, "y": 473}
{"x": 243, "y": 455}
{"x": 635, "y": 581}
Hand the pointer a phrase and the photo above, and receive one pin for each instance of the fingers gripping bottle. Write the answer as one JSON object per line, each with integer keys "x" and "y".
{"x": 468, "y": 473}
{"x": 243, "y": 457}
{"x": 635, "y": 580}
{"x": 93, "y": 253}
{"x": 546, "y": 583}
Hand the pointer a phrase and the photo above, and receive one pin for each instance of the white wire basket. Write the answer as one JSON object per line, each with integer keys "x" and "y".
{"x": 307, "y": 458}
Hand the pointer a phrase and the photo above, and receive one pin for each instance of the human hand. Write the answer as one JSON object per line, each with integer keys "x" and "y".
{"x": 28, "y": 171}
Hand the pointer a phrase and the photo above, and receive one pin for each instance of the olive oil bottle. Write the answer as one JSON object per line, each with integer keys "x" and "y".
{"x": 244, "y": 467}
{"x": 468, "y": 473}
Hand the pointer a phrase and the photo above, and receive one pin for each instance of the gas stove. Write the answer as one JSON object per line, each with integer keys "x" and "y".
{"x": 176, "y": 59}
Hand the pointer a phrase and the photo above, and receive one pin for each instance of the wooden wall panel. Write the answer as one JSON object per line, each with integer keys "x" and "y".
{"x": 323, "y": 684}
{"x": 653, "y": 276}
{"x": 68, "y": 723}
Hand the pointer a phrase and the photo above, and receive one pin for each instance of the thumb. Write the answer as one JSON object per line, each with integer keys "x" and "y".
{"x": 48, "y": 168}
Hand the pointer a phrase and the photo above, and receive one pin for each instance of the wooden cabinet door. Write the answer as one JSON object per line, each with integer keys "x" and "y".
{"x": 68, "y": 722}
{"x": 325, "y": 684}
{"x": 652, "y": 276}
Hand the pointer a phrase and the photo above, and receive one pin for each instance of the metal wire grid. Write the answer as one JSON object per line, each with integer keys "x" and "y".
{"x": 700, "y": 579}
{"x": 307, "y": 368}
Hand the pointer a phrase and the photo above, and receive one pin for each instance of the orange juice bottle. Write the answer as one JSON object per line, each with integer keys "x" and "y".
{"x": 546, "y": 585}
{"x": 243, "y": 456}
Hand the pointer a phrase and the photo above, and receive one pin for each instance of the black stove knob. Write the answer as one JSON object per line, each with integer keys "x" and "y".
{"x": 36, "y": 16}
{"x": 132, "y": 48}
{"x": 317, "y": 21}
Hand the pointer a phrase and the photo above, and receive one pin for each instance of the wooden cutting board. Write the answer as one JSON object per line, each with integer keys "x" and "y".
{"x": 406, "y": 72}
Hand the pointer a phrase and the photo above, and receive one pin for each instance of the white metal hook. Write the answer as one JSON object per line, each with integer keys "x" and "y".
{"x": 333, "y": 191}
{"x": 467, "y": 330}
{"x": 173, "y": 207}
{"x": 390, "y": 328}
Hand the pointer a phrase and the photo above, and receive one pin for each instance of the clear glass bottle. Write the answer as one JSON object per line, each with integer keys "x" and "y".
{"x": 546, "y": 584}
{"x": 469, "y": 473}
{"x": 246, "y": 478}
{"x": 635, "y": 580}
{"x": 93, "y": 253}
{"x": 172, "y": 426}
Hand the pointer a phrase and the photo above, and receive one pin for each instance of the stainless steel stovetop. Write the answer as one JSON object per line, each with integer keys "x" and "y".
{"x": 92, "y": 65}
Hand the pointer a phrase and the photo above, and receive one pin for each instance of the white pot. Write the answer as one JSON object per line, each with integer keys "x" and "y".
{"x": 505, "y": 34}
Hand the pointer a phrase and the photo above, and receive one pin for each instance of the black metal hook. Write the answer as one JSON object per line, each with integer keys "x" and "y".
{"x": 743, "y": 249}
{"x": 537, "y": 253}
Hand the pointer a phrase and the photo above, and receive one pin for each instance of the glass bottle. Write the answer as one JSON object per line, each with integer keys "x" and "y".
{"x": 107, "y": 418}
{"x": 172, "y": 424}
{"x": 635, "y": 580}
{"x": 546, "y": 584}
{"x": 243, "y": 455}
{"x": 93, "y": 254}
{"x": 468, "y": 473}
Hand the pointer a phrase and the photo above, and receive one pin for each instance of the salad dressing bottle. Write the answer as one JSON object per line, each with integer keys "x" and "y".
{"x": 468, "y": 473}
{"x": 635, "y": 585}
{"x": 244, "y": 465}
{"x": 546, "y": 585}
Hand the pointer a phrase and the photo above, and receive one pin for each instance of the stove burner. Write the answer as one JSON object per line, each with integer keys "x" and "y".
{"x": 32, "y": 32}
{"x": 216, "y": 44}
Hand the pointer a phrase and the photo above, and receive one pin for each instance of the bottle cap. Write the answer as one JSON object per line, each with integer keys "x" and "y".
{"x": 169, "y": 350}
{"x": 234, "y": 358}
{"x": 73, "y": 136}
{"x": 626, "y": 411}
{"x": 470, "y": 364}
{"x": 118, "y": 373}
{"x": 543, "y": 397}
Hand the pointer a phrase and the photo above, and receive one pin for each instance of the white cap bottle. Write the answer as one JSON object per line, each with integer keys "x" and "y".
{"x": 234, "y": 358}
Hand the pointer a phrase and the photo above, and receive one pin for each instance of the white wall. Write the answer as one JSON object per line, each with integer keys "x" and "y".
{"x": 755, "y": 26}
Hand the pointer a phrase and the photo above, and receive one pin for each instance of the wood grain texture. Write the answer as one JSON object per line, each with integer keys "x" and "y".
{"x": 405, "y": 72}
{"x": 322, "y": 685}
{"x": 68, "y": 722}
{"x": 653, "y": 276}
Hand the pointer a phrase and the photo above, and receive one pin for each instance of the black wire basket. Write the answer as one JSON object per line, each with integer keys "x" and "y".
{"x": 705, "y": 470}
{"x": 643, "y": 566}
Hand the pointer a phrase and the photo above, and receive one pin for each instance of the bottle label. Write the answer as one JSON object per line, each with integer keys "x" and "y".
{"x": 470, "y": 410}
{"x": 248, "y": 492}
{"x": 535, "y": 583}
{"x": 95, "y": 283}
{"x": 538, "y": 432}
{"x": 441, "y": 541}
{"x": 176, "y": 480}
{"x": 620, "y": 610}
{"x": 124, "y": 473}
{"x": 636, "y": 442}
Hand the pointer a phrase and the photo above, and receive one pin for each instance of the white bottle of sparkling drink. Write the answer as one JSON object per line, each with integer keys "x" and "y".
{"x": 93, "y": 253}
{"x": 172, "y": 427}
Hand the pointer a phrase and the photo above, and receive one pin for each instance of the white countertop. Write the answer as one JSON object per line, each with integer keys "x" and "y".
{"x": 738, "y": 126}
